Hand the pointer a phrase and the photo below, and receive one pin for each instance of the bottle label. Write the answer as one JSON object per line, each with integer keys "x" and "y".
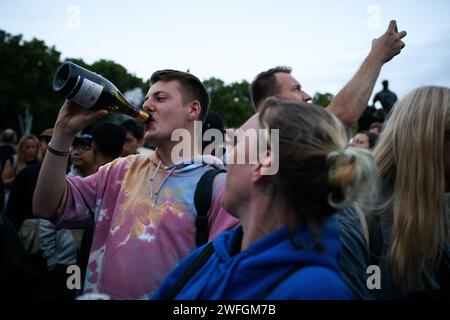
{"x": 88, "y": 93}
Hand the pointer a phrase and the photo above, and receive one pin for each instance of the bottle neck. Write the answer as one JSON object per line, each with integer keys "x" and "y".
{"x": 143, "y": 116}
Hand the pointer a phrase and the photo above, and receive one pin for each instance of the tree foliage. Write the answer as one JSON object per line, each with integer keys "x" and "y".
{"x": 231, "y": 101}
{"x": 26, "y": 74}
{"x": 322, "y": 99}
{"x": 27, "y": 69}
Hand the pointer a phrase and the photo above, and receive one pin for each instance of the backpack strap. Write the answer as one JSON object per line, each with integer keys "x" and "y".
{"x": 202, "y": 201}
{"x": 375, "y": 238}
{"x": 196, "y": 265}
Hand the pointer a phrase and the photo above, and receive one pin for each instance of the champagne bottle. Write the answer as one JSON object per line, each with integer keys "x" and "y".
{"x": 93, "y": 92}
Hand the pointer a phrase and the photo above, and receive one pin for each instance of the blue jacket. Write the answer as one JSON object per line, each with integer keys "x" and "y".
{"x": 270, "y": 268}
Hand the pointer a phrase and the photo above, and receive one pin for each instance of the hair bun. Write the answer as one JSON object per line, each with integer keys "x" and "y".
{"x": 349, "y": 172}
{"x": 342, "y": 167}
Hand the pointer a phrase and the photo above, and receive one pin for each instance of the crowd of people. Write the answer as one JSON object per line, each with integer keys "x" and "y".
{"x": 142, "y": 226}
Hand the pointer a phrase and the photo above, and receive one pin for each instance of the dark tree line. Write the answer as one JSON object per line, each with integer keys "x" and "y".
{"x": 26, "y": 73}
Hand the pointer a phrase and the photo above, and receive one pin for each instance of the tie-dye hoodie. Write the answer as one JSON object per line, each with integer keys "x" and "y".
{"x": 144, "y": 217}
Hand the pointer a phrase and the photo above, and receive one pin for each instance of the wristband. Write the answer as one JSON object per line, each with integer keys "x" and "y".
{"x": 56, "y": 152}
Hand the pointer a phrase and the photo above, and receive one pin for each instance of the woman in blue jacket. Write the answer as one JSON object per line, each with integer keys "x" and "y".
{"x": 287, "y": 245}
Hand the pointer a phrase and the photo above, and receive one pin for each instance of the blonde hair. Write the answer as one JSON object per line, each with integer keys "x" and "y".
{"x": 318, "y": 173}
{"x": 20, "y": 161}
{"x": 410, "y": 155}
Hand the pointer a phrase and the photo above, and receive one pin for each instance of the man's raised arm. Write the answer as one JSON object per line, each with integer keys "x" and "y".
{"x": 350, "y": 102}
{"x": 51, "y": 184}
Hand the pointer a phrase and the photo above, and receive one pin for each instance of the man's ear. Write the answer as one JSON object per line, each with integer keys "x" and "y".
{"x": 194, "y": 110}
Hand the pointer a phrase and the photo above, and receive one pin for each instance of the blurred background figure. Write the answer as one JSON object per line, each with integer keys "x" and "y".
{"x": 50, "y": 251}
{"x": 18, "y": 207}
{"x": 108, "y": 140}
{"x": 386, "y": 97}
{"x": 135, "y": 137}
{"x": 28, "y": 153}
{"x": 370, "y": 116}
{"x": 82, "y": 157}
{"x": 8, "y": 140}
{"x": 365, "y": 140}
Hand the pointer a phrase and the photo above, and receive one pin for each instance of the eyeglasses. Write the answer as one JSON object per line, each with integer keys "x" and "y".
{"x": 80, "y": 147}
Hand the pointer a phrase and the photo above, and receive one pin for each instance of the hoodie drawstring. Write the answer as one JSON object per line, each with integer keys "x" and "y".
{"x": 154, "y": 196}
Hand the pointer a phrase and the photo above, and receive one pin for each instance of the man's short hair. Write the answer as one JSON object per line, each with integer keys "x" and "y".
{"x": 191, "y": 87}
{"x": 109, "y": 139}
{"x": 134, "y": 127}
{"x": 265, "y": 85}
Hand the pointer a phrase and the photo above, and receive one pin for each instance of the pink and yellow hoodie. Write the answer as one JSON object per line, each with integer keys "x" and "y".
{"x": 144, "y": 220}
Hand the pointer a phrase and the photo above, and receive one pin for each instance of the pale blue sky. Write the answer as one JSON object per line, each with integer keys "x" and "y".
{"x": 324, "y": 41}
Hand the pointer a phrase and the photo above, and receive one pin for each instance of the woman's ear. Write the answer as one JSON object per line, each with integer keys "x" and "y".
{"x": 194, "y": 110}
{"x": 264, "y": 166}
{"x": 268, "y": 183}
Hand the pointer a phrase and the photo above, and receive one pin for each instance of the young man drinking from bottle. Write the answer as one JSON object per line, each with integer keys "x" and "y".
{"x": 142, "y": 207}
